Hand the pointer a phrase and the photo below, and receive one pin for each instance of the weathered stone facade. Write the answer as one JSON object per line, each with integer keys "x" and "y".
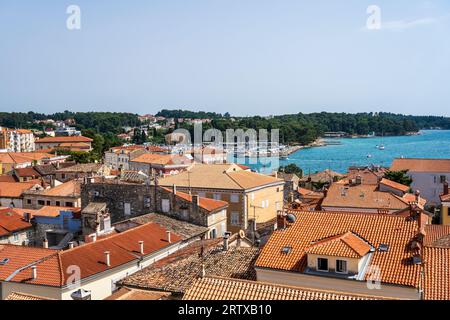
{"x": 124, "y": 200}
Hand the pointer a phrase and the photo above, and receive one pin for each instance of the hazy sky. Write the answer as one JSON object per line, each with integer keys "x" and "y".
{"x": 241, "y": 56}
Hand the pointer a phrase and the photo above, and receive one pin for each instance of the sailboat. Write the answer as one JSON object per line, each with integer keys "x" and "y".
{"x": 381, "y": 146}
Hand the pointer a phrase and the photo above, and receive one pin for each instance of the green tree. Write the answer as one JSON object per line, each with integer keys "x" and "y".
{"x": 291, "y": 169}
{"x": 399, "y": 176}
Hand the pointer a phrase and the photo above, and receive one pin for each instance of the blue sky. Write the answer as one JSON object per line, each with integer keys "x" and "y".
{"x": 245, "y": 57}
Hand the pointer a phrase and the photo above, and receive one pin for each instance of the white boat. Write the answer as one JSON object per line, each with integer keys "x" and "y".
{"x": 381, "y": 147}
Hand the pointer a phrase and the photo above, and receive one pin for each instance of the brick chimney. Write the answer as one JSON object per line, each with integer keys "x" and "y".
{"x": 281, "y": 221}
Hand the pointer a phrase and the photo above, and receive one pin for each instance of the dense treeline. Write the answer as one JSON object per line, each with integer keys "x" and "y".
{"x": 295, "y": 128}
{"x": 101, "y": 122}
{"x": 189, "y": 114}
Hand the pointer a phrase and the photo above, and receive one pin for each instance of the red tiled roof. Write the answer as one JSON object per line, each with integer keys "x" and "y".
{"x": 421, "y": 165}
{"x": 437, "y": 274}
{"x": 53, "y": 267}
{"x": 394, "y": 185}
{"x": 163, "y": 159}
{"x": 11, "y": 222}
{"x": 7, "y": 178}
{"x": 396, "y": 231}
{"x": 64, "y": 139}
{"x": 345, "y": 245}
{"x": 205, "y": 203}
{"x": 26, "y": 172}
{"x": 15, "y": 189}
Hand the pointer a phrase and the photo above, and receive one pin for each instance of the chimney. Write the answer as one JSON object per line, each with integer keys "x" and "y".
{"x": 174, "y": 189}
{"x": 93, "y": 237}
{"x": 358, "y": 180}
{"x": 27, "y": 217}
{"x": 33, "y": 272}
{"x": 107, "y": 258}
{"x": 71, "y": 245}
{"x": 226, "y": 237}
{"x": 196, "y": 200}
{"x": 417, "y": 197}
{"x": 203, "y": 270}
{"x": 168, "y": 236}
{"x": 445, "y": 188}
{"x": 45, "y": 243}
{"x": 281, "y": 221}
{"x": 141, "y": 247}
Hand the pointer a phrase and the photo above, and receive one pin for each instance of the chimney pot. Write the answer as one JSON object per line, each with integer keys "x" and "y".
{"x": 226, "y": 237}
{"x": 196, "y": 200}
{"x": 93, "y": 237}
{"x": 71, "y": 245}
{"x": 141, "y": 247}
{"x": 168, "y": 237}
{"x": 33, "y": 272}
{"x": 45, "y": 243}
{"x": 108, "y": 258}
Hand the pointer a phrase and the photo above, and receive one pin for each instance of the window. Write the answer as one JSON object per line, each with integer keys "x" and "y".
{"x": 341, "y": 266}
{"x": 213, "y": 234}
{"x": 28, "y": 201}
{"x": 58, "y": 203}
{"x": 69, "y": 204}
{"x": 41, "y": 202}
{"x": 48, "y": 202}
{"x": 127, "y": 208}
{"x": 202, "y": 194}
{"x": 165, "y": 205}
{"x": 234, "y": 198}
{"x": 217, "y": 196}
{"x": 16, "y": 237}
{"x": 322, "y": 264}
{"x": 235, "y": 218}
{"x": 443, "y": 179}
{"x": 63, "y": 176}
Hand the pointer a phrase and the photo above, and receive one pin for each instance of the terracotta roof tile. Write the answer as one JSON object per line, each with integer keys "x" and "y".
{"x": 72, "y": 139}
{"x": 215, "y": 288}
{"x": 177, "y": 272}
{"x": 162, "y": 159}
{"x": 11, "y": 222}
{"x": 14, "y": 189}
{"x": 395, "y": 231}
{"x": 24, "y": 296}
{"x": 345, "y": 245}
{"x": 210, "y": 205}
{"x": 437, "y": 273}
{"x": 394, "y": 185}
{"x": 421, "y": 165}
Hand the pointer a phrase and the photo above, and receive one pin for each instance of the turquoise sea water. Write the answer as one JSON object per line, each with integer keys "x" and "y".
{"x": 430, "y": 144}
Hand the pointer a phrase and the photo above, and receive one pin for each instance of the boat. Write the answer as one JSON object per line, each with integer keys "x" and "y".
{"x": 381, "y": 147}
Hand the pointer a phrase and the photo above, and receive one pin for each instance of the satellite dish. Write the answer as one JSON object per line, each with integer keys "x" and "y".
{"x": 242, "y": 234}
{"x": 291, "y": 218}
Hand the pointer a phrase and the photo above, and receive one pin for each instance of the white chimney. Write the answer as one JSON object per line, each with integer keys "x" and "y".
{"x": 45, "y": 243}
{"x": 93, "y": 237}
{"x": 71, "y": 245}
{"x": 33, "y": 272}
{"x": 107, "y": 258}
{"x": 141, "y": 247}
{"x": 225, "y": 242}
{"x": 168, "y": 237}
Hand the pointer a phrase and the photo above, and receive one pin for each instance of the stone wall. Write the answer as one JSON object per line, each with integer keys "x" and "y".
{"x": 124, "y": 201}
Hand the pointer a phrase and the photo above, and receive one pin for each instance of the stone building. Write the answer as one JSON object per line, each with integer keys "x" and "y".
{"x": 63, "y": 195}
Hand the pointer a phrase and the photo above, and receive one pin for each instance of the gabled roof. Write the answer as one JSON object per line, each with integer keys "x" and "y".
{"x": 345, "y": 245}
{"x": 178, "y": 271}
{"x": 210, "y": 205}
{"x": 64, "y": 139}
{"x": 11, "y": 222}
{"x": 421, "y": 165}
{"x": 53, "y": 266}
{"x": 216, "y": 288}
{"x": 396, "y": 231}
{"x": 323, "y": 176}
{"x": 82, "y": 168}
{"x": 394, "y": 185}
{"x": 22, "y": 157}
{"x": 26, "y": 172}
{"x": 219, "y": 176}
{"x": 162, "y": 159}
{"x": 70, "y": 188}
{"x": 15, "y": 189}
{"x": 365, "y": 196}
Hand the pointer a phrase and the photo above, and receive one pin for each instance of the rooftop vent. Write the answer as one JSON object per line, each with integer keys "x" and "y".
{"x": 383, "y": 247}
{"x": 417, "y": 260}
{"x": 4, "y": 261}
{"x": 286, "y": 250}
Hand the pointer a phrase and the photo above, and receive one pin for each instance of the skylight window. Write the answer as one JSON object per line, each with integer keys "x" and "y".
{"x": 4, "y": 261}
{"x": 383, "y": 247}
{"x": 286, "y": 250}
